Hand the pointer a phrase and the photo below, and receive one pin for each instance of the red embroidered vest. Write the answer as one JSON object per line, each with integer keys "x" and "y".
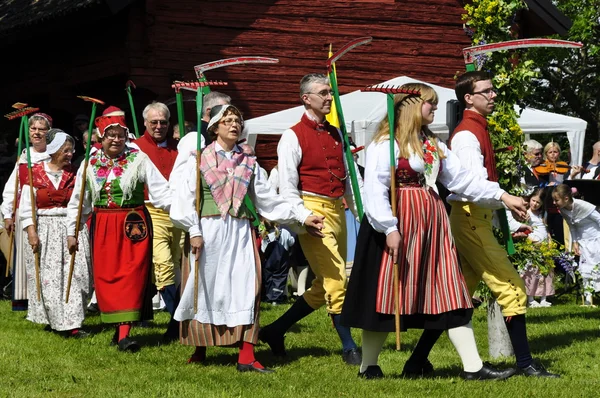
{"x": 477, "y": 124}
{"x": 321, "y": 169}
{"x": 47, "y": 196}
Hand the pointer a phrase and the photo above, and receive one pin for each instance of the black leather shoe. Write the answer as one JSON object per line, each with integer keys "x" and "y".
{"x": 274, "y": 341}
{"x": 372, "y": 372}
{"x": 352, "y": 357}
{"x": 250, "y": 368}
{"x": 127, "y": 344}
{"x": 417, "y": 370}
{"x": 487, "y": 372}
{"x": 537, "y": 370}
{"x": 115, "y": 338}
{"x": 79, "y": 334}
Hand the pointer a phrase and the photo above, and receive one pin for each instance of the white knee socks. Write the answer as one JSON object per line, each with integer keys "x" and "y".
{"x": 372, "y": 342}
{"x": 463, "y": 340}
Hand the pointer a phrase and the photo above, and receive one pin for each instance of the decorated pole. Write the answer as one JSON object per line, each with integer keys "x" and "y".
{"x": 469, "y": 54}
{"x": 22, "y": 112}
{"x": 94, "y": 102}
{"x": 128, "y": 86}
{"x": 390, "y": 91}
{"x": 338, "y": 104}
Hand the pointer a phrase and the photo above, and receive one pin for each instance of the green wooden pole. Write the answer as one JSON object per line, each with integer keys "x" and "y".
{"x": 135, "y": 124}
{"x": 348, "y": 151}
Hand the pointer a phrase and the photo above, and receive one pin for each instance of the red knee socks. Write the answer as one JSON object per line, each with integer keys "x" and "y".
{"x": 246, "y": 356}
{"x": 124, "y": 330}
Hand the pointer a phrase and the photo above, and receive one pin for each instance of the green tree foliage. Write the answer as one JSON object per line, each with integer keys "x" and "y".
{"x": 568, "y": 81}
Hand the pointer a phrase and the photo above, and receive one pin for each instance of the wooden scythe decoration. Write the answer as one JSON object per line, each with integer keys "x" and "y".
{"x": 469, "y": 53}
{"x": 94, "y": 102}
{"x": 390, "y": 91}
{"x": 22, "y": 110}
{"x": 338, "y": 104}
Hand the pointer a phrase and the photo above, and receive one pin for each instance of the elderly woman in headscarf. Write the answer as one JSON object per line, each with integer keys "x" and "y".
{"x": 53, "y": 183}
{"x": 222, "y": 238}
{"x": 39, "y": 124}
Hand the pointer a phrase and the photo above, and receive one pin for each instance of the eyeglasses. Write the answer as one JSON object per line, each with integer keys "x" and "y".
{"x": 324, "y": 93}
{"x": 114, "y": 137}
{"x": 161, "y": 122}
{"x": 485, "y": 92}
{"x": 230, "y": 122}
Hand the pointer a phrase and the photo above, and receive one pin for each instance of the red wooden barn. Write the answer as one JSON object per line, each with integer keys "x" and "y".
{"x": 55, "y": 50}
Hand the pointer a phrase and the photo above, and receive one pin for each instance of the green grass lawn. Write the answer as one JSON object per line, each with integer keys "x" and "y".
{"x": 34, "y": 362}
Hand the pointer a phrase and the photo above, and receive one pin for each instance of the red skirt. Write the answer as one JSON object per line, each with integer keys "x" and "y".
{"x": 430, "y": 278}
{"x": 122, "y": 258}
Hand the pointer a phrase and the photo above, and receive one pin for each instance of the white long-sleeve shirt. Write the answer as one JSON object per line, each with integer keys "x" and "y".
{"x": 467, "y": 149}
{"x": 289, "y": 155}
{"x": 25, "y": 208}
{"x": 268, "y": 204}
{"x": 159, "y": 193}
{"x": 8, "y": 195}
{"x": 185, "y": 148}
{"x": 451, "y": 175}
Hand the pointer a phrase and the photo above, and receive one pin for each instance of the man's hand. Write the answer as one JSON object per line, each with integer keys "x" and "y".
{"x": 575, "y": 170}
{"x": 314, "y": 225}
{"x": 516, "y": 205}
{"x": 34, "y": 240}
{"x": 9, "y": 225}
{"x": 393, "y": 243}
{"x": 197, "y": 244}
{"x": 72, "y": 244}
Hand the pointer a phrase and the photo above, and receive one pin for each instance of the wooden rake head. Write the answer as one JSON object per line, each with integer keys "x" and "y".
{"x": 390, "y": 89}
{"x": 20, "y": 112}
{"x": 195, "y": 85}
{"x": 90, "y": 99}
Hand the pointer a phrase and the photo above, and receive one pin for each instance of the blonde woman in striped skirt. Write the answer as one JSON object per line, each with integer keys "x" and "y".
{"x": 433, "y": 293}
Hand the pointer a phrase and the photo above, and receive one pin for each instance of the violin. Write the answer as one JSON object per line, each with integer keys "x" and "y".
{"x": 559, "y": 167}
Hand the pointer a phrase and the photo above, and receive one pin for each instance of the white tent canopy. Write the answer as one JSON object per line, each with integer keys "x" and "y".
{"x": 363, "y": 111}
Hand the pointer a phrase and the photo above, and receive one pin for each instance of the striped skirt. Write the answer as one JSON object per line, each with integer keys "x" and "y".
{"x": 433, "y": 292}
{"x": 200, "y": 334}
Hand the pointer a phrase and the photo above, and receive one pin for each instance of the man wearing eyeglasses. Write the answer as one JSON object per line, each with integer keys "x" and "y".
{"x": 534, "y": 157}
{"x": 167, "y": 240}
{"x": 481, "y": 256}
{"x": 313, "y": 177}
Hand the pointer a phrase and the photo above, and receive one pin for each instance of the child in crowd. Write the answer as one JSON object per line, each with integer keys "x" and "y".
{"x": 535, "y": 283}
{"x": 584, "y": 224}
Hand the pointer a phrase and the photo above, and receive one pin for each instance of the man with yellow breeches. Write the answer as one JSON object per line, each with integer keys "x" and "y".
{"x": 313, "y": 176}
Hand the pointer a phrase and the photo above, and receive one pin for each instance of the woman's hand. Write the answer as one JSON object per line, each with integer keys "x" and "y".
{"x": 576, "y": 249}
{"x": 197, "y": 244}
{"x": 34, "y": 240}
{"x": 9, "y": 225}
{"x": 393, "y": 241}
{"x": 314, "y": 225}
{"x": 72, "y": 244}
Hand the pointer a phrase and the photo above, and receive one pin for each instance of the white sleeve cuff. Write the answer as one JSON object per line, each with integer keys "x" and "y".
{"x": 195, "y": 230}
{"x": 390, "y": 230}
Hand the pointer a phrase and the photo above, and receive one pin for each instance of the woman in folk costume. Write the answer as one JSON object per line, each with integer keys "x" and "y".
{"x": 121, "y": 230}
{"x": 53, "y": 184}
{"x": 433, "y": 293}
{"x": 583, "y": 220}
{"x": 222, "y": 239}
{"x": 39, "y": 124}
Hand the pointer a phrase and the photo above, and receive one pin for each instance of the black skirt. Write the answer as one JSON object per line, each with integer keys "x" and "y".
{"x": 359, "y": 306}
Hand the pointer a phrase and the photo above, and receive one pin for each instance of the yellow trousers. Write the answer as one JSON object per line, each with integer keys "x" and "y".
{"x": 326, "y": 256}
{"x": 167, "y": 243}
{"x": 482, "y": 257}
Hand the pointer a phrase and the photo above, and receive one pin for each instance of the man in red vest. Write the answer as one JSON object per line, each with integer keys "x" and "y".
{"x": 313, "y": 177}
{"x": 167, "y": 240}
{"x": 481, "y": 255}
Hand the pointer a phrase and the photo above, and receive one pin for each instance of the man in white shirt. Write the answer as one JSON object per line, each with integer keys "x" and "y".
{"x": 313, "y": 177}
{"x": 591, "y": 169}
{"x": 481, "y": 255}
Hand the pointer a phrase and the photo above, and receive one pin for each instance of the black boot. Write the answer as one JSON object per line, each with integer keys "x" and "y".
{"x": 273, "y": 334}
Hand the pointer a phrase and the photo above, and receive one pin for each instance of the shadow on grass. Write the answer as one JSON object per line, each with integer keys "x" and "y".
{"x": 551, "y": 341}
{"x": 533, "y": 316}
